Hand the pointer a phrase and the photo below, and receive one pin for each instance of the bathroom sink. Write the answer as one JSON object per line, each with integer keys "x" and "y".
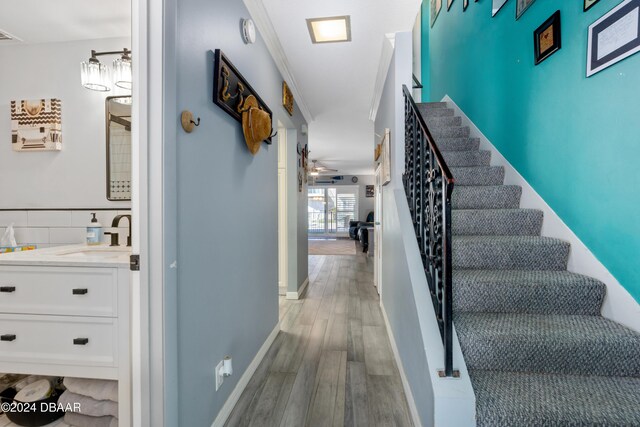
{"x": 99, "y": 252}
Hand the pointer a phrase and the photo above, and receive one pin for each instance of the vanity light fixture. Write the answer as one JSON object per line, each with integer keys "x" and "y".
{"x": 333, "y": 29}
{"x": 94, "y": 75}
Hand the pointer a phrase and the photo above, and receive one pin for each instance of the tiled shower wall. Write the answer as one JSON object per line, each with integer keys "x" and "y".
{"x": 58, "y": 227}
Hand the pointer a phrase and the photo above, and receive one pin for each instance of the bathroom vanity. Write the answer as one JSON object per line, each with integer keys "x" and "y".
{"x": 65, "y": 311}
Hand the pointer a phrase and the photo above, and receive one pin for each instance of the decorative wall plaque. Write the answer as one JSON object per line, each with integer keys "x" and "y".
{"x": 287, "y": 98}
{"x": 36, "y": 125}
{"x": 230, "y": 89}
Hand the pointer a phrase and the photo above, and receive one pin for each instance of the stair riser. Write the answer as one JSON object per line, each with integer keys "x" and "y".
{"x": 432, "y": 105}
{"x": 457, "y": 144}
{"x": 496, "y": 223}
{"x": 440, "y": 112}
{"x": 478, "y": 176}
{"x": 532, "y": 298}
{"x": 495, "y": 255}
{"x": 500, "y": 197}
{"x": 466, "y": 158}
{"x": 449, "y": 131}
{"x": 523, "y": 354}
{"x": 443, "y": 121}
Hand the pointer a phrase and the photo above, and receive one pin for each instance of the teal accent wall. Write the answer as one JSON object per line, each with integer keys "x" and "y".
{"x": 576, "y": 140}
{"x": 424, "y": 47}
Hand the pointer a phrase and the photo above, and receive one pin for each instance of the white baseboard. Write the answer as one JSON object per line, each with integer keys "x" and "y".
{"x": 618, "y": 305}
{"x": 228, "y": 406}
{"x": 301, "y": 290}
{"x": 413, "y": 409}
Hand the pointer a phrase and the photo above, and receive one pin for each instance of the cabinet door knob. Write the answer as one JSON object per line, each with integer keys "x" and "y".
{"x": 7, "y": 289}
{"x": 80, "y": 341}
{"x": 8, "y": 337}
{"x": 81, "y": 291}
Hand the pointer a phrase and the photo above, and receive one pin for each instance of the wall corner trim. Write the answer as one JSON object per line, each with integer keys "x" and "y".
{"x": 259, "y": 13}
{"x": 301, "y": 290}
{"x": 388, "y": 46}
{"x": 413, "y": 409}
{"x": 618, "y": 305}
{"x": 228, "y": 406}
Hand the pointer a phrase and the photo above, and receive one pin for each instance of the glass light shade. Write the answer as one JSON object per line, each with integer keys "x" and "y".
{"x": 122, "y": 76}
{"x": 94, "y": 76}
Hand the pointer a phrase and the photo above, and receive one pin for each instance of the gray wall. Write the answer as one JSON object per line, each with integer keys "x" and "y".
{"x": 76, "y": 176}
{"x": 226, "y": 208}
{"x": 397, "y": 294}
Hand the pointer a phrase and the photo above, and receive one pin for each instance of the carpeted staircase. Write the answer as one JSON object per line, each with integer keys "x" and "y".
{"x": 538, "y": 351}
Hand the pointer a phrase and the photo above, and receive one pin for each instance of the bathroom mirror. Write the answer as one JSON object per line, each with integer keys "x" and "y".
{"x": 118, "y": 125}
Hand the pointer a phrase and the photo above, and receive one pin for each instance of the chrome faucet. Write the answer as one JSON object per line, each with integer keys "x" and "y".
{"x": 114, "y": 235}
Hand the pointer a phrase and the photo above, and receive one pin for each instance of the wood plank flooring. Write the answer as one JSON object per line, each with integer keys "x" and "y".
{"x": 332, "y": 363}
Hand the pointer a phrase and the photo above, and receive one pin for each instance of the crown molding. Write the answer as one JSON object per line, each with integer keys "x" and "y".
{"x": 388, "y": 46}
{"x": 261, "y": 18}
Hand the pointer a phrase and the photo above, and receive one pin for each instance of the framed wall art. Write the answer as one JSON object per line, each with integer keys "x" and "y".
{"x": 287, "y": 98}
{"x": 436, "y": 6}
{"x": 369, "y": 191}
{"x": 496, "y": 6}
{"x": 522, "y": 6}
{"x": 547, "y": 38}
{"x": 614, "y": 37}
{"x": 386, "y": 157}
{"x": 449, "y": 3}
{"x": 589, "y": 3}
{"x": 36, "y": 125}
{"x": 465, "y": 5}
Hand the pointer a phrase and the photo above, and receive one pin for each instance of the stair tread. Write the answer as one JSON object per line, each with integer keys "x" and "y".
{"x": 526, "y": 291}
{"x": 486, "y": 196}
{"x": 496, "y": 222}
{"x": 578, "y": 344}
{"x": 529, "y": 399}
{"x": 478, "y": 175}
{"x": 467, "y": 158}
{"x": 509, "y": 252}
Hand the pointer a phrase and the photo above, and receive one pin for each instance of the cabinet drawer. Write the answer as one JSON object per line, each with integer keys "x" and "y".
{"x": 68, "y": 291}
{"x": 58, "y": 340}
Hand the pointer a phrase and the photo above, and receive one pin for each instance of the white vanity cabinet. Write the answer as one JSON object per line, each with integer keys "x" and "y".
{"x": 67, "y": 316}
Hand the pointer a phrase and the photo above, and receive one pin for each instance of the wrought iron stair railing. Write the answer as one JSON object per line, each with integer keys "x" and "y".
{"x": 428, "y": 184}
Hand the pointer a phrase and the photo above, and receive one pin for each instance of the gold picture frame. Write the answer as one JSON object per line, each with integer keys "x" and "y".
{"x": 287, "y": 98}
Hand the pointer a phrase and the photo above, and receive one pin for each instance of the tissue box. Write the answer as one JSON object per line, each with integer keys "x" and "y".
{"x": 7, "y": 249}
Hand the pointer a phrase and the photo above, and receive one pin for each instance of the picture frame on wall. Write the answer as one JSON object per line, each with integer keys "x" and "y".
{"x": 496, "y": 6}
{"x": 613, "y": 37}
{"x": 369, "y": 191}
{"x": 522, "y": 6}
{"x": 449, "y": 4}
{"x": 588, "y": 4}
{"x": 436, "y": 6}
{"x": 547, "y": 38}
{"x": 465, "y": 5}
{"x": 386, "y": 157}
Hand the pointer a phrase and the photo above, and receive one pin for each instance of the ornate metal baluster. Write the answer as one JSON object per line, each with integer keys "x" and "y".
{"x": 428, "y": 186}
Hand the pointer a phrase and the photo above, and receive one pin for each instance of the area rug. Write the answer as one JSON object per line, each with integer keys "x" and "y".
{"x": 332, "y": 247}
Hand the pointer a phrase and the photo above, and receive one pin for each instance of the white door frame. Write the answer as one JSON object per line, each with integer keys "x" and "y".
{"x": 148, "y": 285}
{"x": 283, "y": 222}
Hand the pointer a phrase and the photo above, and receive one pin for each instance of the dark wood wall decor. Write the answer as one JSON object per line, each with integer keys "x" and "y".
{"x": 230, "y": 89}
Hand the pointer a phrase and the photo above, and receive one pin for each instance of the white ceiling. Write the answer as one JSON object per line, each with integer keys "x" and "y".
{"x": 337, "y": 80}
{"x": 46, "y": 21}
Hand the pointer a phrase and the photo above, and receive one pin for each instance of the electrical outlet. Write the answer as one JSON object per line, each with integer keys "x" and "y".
{"x": 219, "y": 374}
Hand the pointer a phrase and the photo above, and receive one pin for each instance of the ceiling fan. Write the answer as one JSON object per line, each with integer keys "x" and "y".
{"x": 317, "y": 169}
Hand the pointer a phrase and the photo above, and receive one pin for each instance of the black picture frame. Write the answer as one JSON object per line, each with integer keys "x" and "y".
{"x": 436, "y": 7}
{"x": 601, "y": 57}
{"x": 449, "y": 4}
{"x": 521, "y": 9}
{"x": 589, "y": 5}
{"x": 369, "y": 191}
{"x": 544, "y": 51}
{"x": 465, "y": 5}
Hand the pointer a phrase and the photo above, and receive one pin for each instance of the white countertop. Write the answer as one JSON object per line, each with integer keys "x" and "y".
{"x": 71, "y": 256}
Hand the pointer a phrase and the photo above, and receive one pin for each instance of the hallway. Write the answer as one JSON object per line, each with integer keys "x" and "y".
{"x": 332, "y": 364}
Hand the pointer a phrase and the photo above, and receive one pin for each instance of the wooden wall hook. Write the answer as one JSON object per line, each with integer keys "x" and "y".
{"x": 187, "y": 121}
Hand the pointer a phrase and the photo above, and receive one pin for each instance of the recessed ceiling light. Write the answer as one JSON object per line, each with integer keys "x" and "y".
{"x": 332, "y": 29}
